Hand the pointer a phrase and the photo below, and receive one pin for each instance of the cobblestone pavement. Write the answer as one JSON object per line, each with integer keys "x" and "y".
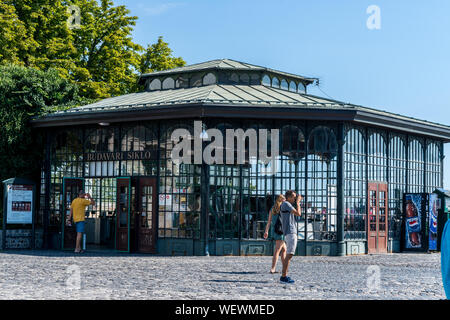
{"x": 53, "y": 275}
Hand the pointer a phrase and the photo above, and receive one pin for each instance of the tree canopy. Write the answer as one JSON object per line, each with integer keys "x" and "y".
{"x": 24, "y": 94}
{"x": 88, "y": 42}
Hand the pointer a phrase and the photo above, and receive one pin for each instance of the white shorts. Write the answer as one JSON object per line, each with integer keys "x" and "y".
{"x": 291, "y": 243}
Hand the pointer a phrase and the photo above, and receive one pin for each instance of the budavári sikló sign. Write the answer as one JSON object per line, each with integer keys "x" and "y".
{"x": 123, "y": 155}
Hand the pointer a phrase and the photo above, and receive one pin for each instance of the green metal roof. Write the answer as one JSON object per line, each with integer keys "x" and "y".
{"x": 217, "y": 93}
{"x": 234, "y": 100}
{"x": 223, "y": 64}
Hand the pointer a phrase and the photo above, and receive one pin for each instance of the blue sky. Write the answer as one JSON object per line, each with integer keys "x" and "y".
{"x": 404, "y": 67}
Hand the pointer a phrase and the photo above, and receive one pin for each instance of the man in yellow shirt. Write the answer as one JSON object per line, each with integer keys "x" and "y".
{"x": 77, "y": 211}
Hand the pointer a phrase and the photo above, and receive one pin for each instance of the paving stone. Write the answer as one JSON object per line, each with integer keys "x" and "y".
{"x": 51, "y": 274}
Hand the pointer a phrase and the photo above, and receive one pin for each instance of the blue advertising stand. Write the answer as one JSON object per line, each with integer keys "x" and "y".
{"x": 445, "y": 259}
{"x": 18, "y": 205}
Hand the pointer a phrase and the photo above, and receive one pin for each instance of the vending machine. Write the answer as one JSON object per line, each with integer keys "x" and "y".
{"x": 420, "y": 223}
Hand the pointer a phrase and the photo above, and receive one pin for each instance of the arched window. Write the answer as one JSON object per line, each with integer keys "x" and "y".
{"x": 266, "y": 80}
{"x": 210, "y": 78}
{"x": 196, "y": 80}
{"x": 292, "y": 86}
{"x": 155, "y": 84}
{"x": 322, "y": 142}
{"x": 301, "y": 88}
{"x": 234, "y": 78}
{"x": 292, "y": 142}
{"x": 182, "y": 82}
{"x": 244, "y": 79}
{"x": 275, "y": 82}
{"x": 254, "y": 79}
{"x": 168, "y": 83}
{"x": 284, "y": 85}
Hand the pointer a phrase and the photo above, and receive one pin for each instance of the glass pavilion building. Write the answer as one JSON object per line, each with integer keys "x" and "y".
{"x": 351, "y": 163}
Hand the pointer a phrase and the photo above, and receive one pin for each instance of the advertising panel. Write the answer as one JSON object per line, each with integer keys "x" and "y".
{"x": 413, "y": 221}
{"x": 19, "y": 204}
{"x": 433, "y": 222}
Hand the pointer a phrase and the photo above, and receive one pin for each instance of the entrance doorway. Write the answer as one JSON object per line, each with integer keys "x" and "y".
{"x": 71, "y": 187}
{"x": 136, "y": 215}
{"x": 124, "y": 217}
{"x": 377, "y": 218}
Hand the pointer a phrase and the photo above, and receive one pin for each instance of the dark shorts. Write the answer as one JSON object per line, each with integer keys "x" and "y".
{"x": 80, "y": 226}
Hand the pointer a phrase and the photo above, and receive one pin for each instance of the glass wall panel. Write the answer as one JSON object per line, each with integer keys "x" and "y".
{"x": 433, "y": 167}
{"x": 291, "y": 166}
{"x": 355, "y": 184}
{"x": 377, "y": 157}
{"x": 101, "y": 140}
{"x": 224, "y": 204}
{"x": 179, "y": 194}
{"x": 397, "y": 183}
{"x": 224, "y": 196}
{"x": 257, "y": 192}
{"x": 66, "y": 161}
{"x": 322, "y": 184}
{"x": 416, "y": 166}
{"x": 139, "y": 138}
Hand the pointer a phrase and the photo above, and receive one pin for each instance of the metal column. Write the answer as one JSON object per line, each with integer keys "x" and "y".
{"x": 340, "y": 192}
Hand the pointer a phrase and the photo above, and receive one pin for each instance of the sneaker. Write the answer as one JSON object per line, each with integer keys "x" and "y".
{"x": 286, "y": 280}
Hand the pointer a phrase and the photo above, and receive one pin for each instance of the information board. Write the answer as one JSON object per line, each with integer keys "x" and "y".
{"x": 19, "y": 204}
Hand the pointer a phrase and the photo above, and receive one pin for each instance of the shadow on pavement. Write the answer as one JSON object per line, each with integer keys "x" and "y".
{"x": 243, "y": 281}
{"x": 235, "y": 272}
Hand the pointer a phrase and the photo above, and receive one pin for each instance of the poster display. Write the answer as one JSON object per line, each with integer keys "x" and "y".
{"x": 165, "y": 201}
{"x": 433, "y": 222}
{"x": 19, "y": 204}
{"x": 413, "y": 221}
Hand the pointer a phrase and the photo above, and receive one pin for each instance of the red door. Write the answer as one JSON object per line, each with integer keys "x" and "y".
{"x": 146, "y": 216}
{"x": 71, "y": 187}
{"x": 377, "y": 218}
{"x": 123, "y": 214}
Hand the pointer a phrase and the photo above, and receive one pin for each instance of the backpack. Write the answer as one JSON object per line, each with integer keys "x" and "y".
{"x": 278, "y": 228}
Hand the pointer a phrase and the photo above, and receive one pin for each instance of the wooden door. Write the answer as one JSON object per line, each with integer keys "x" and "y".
{"x": 146, "y": 215}
{"x": 71, "y": 187}
{"x": 382, "y": 218}
{"x": 123, "y": 214}
{"x": 377, "y": 228}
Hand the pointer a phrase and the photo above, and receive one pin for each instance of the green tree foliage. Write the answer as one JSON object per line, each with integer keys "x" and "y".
{"x": 98, "y": 54}
{"x": 26, "y": 93}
